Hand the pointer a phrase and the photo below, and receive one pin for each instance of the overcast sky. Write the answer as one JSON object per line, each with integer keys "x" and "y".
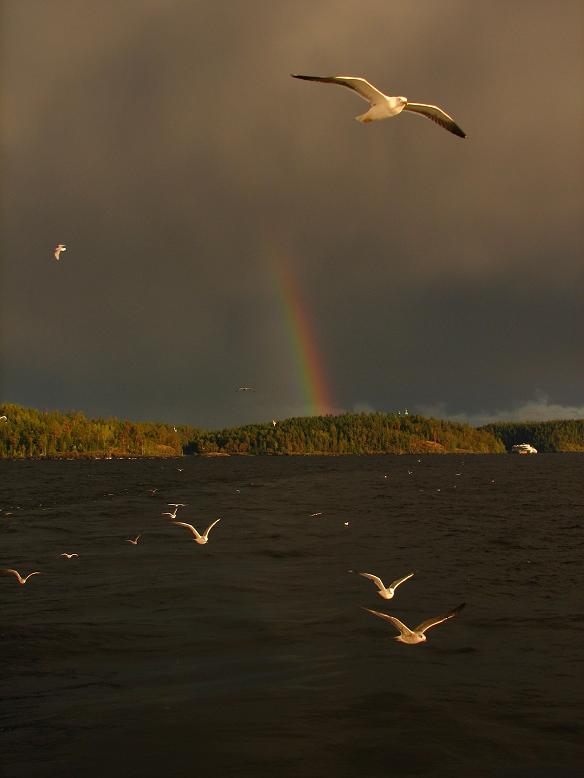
{"x": 164, "y": 142}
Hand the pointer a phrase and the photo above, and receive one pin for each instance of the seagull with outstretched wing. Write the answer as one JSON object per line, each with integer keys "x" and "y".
{"x": 382, "y": 106}
{"x": 413, "y": 636}
{"x": 197, "y": 537}
{"x": 17, "y": 575}
{"x": 386, "y": 592}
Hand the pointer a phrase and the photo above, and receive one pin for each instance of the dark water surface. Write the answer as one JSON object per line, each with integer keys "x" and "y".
{"x": 251, "y": 656}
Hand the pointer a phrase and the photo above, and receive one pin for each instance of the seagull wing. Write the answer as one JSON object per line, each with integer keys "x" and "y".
{"x": 399, "y": 625}
{"x": 376, "y": 580}
{"x": 30, "y": 575}
{"x": 190, "y": 526}
{"x": 210, "y": 527}
{"x": 426, "y": 625}
{"x": 13, "y": 572}
{"x": 436, "y": 115}
{"x": 359, "y": 85}
{"x": 399, "y": 581}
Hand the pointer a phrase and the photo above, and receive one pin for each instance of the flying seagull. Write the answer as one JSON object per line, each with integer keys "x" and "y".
{"x": 69, "y": 556}
{"x": 383, "y": 106}
{"x": 176, "y": 506}
{"x": 246, "y": 389}
{"x": 386, "y": 592}
{"x": 201, "y": 539}
{"x": 412, "y": 636}
{"x": 134, "y": 542}
{"x": 58, "y": 249}
{"x": 17, "y": 575}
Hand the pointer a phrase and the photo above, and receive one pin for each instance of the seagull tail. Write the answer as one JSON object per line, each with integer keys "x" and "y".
{"x": 364, "y": 117}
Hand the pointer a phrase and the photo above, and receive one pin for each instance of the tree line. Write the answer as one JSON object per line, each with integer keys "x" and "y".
{"x": 32, "y": 433}
{"x": 28, "y": 432}
{"x": 546, "y": 436}
{"x": 363, "y": 433}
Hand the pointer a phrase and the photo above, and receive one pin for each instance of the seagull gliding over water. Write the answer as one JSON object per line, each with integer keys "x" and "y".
{"x": 383, "y": 106}
{"x": 413, "y": 636}
{"x": 201, "y": 539}
{"x": 386, "y": 592}
{"x": 17, "y": 575}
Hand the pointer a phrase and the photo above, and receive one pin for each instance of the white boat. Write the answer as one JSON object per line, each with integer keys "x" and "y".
{"x": 523, "y": 448}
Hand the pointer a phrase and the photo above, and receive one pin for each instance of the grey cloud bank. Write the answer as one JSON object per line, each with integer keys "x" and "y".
{"x": 167, "y": 146}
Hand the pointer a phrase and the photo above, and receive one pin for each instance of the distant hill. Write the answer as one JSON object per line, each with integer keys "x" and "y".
{"x": 33, "y": 433}
{"x": 363, "y": 433}
{"x": 546, "y": 436}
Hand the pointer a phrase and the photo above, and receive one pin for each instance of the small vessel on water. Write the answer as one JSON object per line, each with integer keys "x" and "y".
{"x": 523, "y": 448}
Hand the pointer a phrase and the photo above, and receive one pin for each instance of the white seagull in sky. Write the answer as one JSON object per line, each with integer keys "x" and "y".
{"x": 58, "y": 249}
{"x": 386, "y": 592}
{"x": 246, "y": 389}
{"x": 69, "y": 556}
{"x": 412, "y": 636}
{"x": 134, "y": 542}
{"x": 201, "y": 539}
{"x": 17, "y": 575}
{"x": 383, "y": 106}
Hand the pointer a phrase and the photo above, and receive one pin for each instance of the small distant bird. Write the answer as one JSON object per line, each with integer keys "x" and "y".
{"x": 3, "y": 418}
{"x": 152, "y": 491}
{"x": 346, "y": 524}
{"x": 383, "y": 106}
{"x": 386, "y": 592}
{"x": 312, "y": 515}
{"x": 274, "y": 422}
{"x": 246, "y": 389}
{"x": 17, "y": 575}
{"x": 201, "y": 539}
{"x": 58, "y": 249}
{"x": 416, "y": 635}
{"x": 69, "y": 556}
{"x": 175, "y": 429}
{"x": 134, "y": 542}
{"x": 176, "y": 507}
{"x": 180, "y": 469}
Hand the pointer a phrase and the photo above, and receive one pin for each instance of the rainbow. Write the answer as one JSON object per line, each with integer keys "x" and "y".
{"x": 309, "y": 362}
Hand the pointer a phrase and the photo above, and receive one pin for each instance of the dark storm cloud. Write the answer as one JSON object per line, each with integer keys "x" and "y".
{"x": 165, "y": 143}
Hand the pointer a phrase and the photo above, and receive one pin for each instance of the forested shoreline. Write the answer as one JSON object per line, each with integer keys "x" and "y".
{"x": 28, "y": 432}
{"x": 562, "y": 435}
{"x": 363, "y": 433}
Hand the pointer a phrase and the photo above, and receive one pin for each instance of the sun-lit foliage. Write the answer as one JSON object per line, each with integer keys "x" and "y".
{"x": 546, "y": 436}
{"x": 364, "y": 433}
{"x": 32, "y": 433}
{"x": 28, "y": 432}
